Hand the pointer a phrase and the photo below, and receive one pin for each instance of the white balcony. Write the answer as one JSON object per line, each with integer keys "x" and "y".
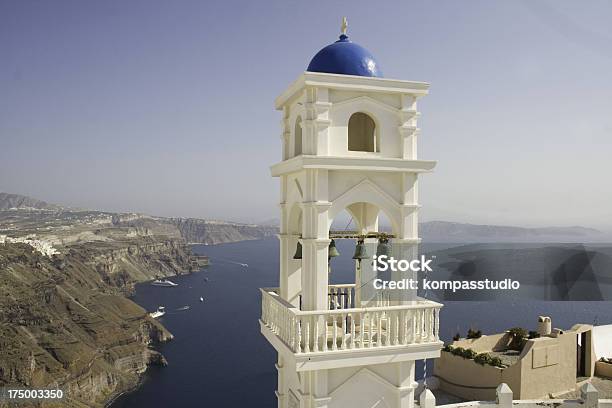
{"x": 345, "y": 331}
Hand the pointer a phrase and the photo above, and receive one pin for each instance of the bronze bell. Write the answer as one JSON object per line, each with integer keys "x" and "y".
{"x": 384, "y": 247}
{"x": 298, "y": 251}
{"x": 360, "y": 251}
{"x": 333, "y": 251}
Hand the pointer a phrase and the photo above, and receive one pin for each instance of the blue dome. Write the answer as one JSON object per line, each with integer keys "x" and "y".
{"x": 345, "y": 57}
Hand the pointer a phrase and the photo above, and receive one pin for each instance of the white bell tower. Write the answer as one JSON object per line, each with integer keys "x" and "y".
{"x": 349, "y": 141}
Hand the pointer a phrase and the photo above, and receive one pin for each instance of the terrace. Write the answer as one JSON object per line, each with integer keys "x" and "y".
{"x": 344, "y": 328}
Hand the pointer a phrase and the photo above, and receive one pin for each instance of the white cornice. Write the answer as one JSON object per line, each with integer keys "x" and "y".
{"x": 350, "y": 83}
{"x": 351, "y": 163}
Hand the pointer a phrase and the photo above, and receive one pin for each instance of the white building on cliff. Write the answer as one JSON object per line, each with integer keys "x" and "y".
{"x": 349, "y": 142}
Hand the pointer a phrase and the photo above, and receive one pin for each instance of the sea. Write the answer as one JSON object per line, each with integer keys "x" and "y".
{"x": 218, "y": 358}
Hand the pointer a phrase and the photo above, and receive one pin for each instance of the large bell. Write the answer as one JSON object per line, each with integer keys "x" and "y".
{"x": 384, "y": 247}
{"x": 333, "y": 251}
{"x": 360, "y": 251}
{"x": 298, "y": 251}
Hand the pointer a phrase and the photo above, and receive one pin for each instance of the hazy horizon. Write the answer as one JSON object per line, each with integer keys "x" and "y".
{"x": 140, "y": 106}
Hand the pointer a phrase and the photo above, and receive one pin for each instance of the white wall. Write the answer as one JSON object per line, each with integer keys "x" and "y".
{"x": 602, "y": 341}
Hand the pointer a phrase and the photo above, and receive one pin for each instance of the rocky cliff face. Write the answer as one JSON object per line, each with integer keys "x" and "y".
{"x": 216, "y": 232}
{"x": 64, "y": 320}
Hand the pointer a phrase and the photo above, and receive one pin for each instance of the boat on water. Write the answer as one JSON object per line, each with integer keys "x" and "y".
{"x": 201, "y": 299}
{"x": 158, "y": 313}
{"x": 183, "y": 308}
{"x": 163, "y": 282}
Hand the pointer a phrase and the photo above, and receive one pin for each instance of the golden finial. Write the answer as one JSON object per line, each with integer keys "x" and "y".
{"x": 344, "y": 26}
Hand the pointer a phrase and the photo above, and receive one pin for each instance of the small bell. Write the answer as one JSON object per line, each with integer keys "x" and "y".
{"x": 333, "y": 251}
{"x": 298, "y": 251}
{"x": 383, "y": 248}
{"x": 360, "y": 251}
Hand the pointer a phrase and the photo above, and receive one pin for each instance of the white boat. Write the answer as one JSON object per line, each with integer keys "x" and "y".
{"x": 201, "y": 299}
{"x": 158, "y": 313}
{"x": 183, "y": 308}
{"x": 164, "y": 282}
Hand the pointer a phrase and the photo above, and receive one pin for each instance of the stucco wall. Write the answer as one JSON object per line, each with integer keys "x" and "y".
{"x": 602, "y": 341}
{"x": 603, "y": 369}
{"x": 472, "y": 381}
{"x": 546, "y": 366}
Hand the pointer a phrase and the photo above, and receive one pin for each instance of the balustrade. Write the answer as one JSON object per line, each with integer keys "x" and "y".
{"x": 345, "y": 327}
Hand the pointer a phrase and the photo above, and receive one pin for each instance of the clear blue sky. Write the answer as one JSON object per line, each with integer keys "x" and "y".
{"x": 165, "y": 107}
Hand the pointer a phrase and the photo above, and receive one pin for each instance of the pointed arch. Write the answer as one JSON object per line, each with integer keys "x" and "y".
{"x": 368, "y": 192}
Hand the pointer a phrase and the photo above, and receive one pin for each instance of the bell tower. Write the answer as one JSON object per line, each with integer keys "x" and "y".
{"x": 349, "y": 142}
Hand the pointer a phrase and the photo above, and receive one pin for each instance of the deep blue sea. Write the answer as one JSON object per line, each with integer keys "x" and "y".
{"x": 218, "y": 357}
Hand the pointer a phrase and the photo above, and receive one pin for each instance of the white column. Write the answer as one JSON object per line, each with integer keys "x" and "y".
{"x": 405, "y": 384}
{"x": 320, "y": 390}
{"x": 315, "y": 241}
{"x": 281, "y": 392}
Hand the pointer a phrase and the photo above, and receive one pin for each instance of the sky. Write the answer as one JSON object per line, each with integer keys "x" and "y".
{"x": 166, "y": 107}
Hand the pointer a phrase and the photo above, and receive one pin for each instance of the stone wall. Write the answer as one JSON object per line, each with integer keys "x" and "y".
{"x": 589, "y": 398}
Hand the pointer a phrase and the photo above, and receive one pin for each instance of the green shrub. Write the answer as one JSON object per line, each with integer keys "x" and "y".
{"x": 474, "y": 334}
{"x": 457, "y": 337}
{"x": 496, "y": 362}
{"x": 483, "y": 358}
{"x": 465, "y": 353}
{"x": 533, "y": 334}
{"x": 448, "y": 348}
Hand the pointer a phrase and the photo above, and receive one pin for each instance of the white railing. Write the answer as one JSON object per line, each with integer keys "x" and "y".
{"x": 341, "y": 296}
{"x": 350, "y": 328}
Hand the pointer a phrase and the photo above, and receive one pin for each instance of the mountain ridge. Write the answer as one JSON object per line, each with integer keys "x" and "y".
{"x": 207, "y": 231}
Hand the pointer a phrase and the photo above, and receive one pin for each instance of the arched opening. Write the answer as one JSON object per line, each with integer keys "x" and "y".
{"x": 297, "y": 133}
{"x": 384, "y": 223}
{"x": 362, "y": 134}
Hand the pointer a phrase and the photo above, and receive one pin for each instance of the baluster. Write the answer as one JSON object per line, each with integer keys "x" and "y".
{"x": 420, "y": 327}
{"x": 370, "y": 329}
{"x": 396, "y": 320}
{"x": 389, "y": 331}
{"x": 352, "y": 323}
{"x": 349, "y": 297}
{"x": 430, "y": 324}
{"x": 409, "y": 327}
{"x": 379, "y": 329}
{"x": 343, "y": 337}
{"x": 324, "y": 318}
{"x": 263, "y": 308}
{"x": 297, "y": 348}
{"x": 413, "y": 325}
{"x": 284, "y": 325}
{"x": 281, "y": 319}
{"x": 362, "y": 323}
{"x": 307, "y": 335}
{"x": 315, "y": 344}
{"x": 334, "y": 333}
{"x": 437, "y": 327}
{"x": 401, "y": 332}
{"x": 423, "y": 337}
{"x": 291, "y": 331}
